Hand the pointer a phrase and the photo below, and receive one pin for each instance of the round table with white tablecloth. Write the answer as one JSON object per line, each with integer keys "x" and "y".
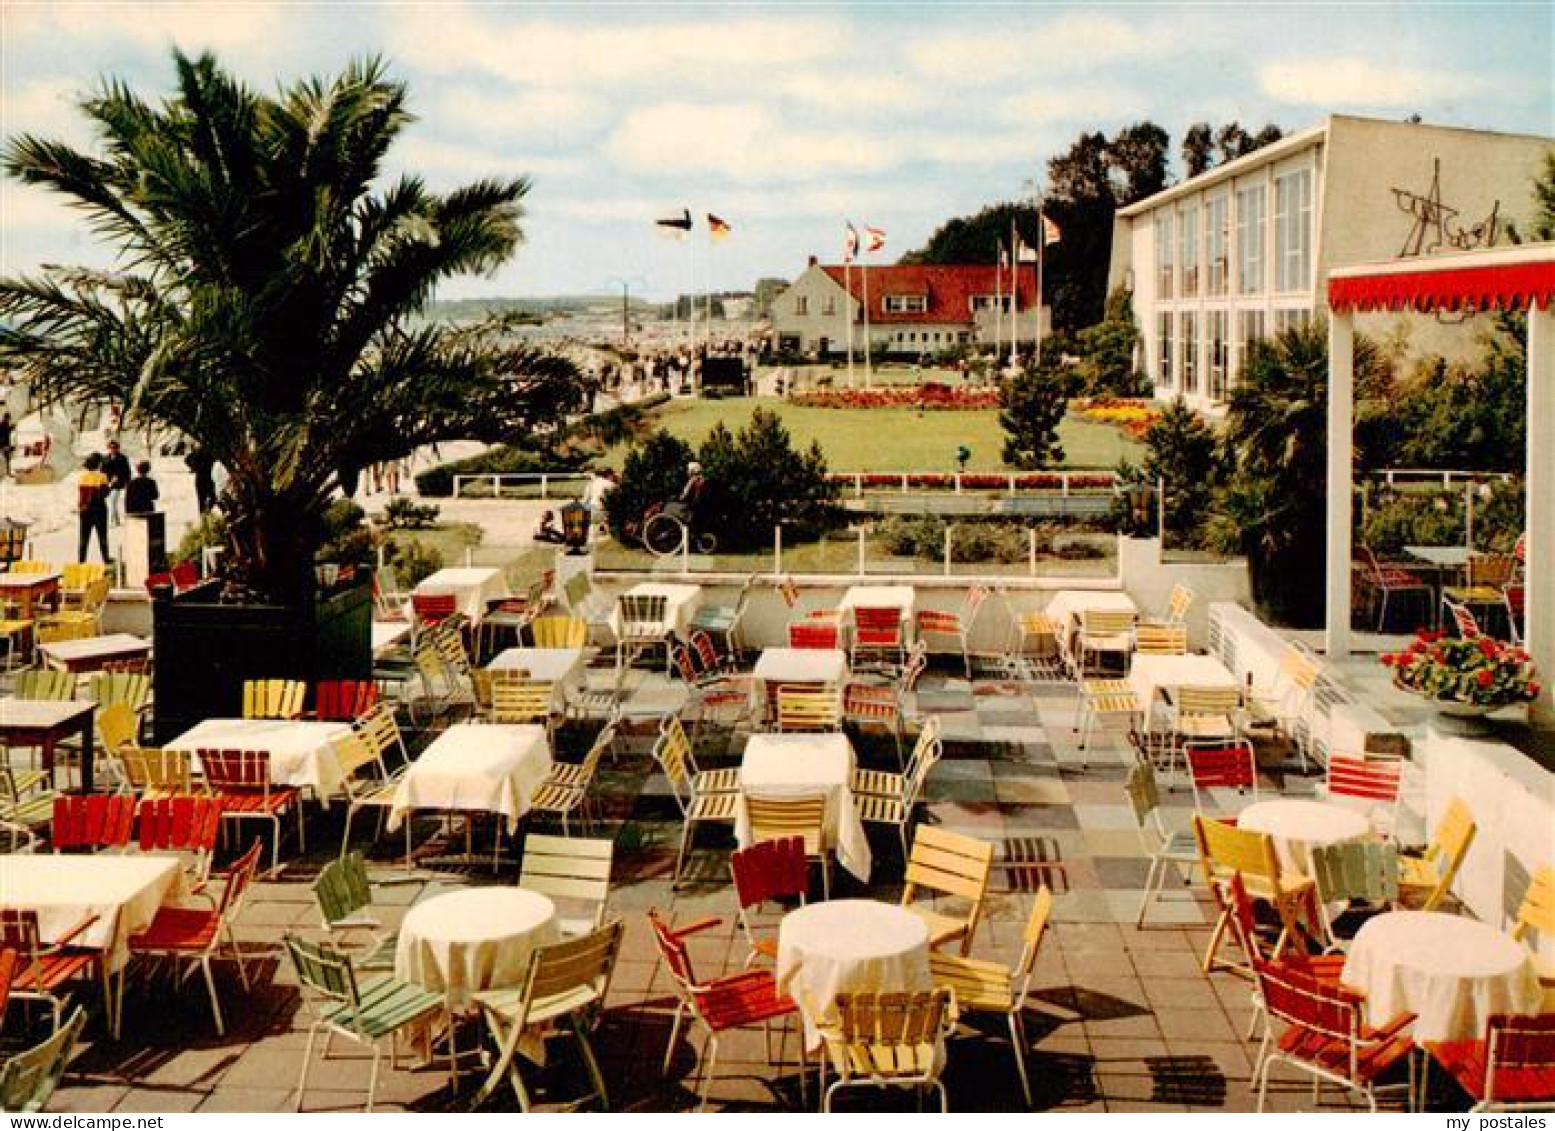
{"x": 1453, "y": 972}
{"x": 849, "y": 946}
{"x": 1298, "y": 826}
{"x": 478, "y": 939}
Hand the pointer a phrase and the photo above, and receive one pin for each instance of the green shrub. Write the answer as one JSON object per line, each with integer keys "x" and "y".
{"x": 438, "y": 482}
{"x": 210, "y": 531}
{"x": 404, "y": 513}
{"x": 412, "y": 560}
{"x": 653, "y": 472}
{"x": 347, "y": 539}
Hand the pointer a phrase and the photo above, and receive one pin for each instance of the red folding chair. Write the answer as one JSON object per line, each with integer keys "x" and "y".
{"x": 344, "y": 700}
{"x": 44, "y": 970}
{"x": 768, "y": 870}
{"x": 1510, "y": 1068}
{"x": 813, "y": 634}
{"x": 240, "y": 780}
{"x": 92, "y": 821}
{"x": 432, "y": 608}
{"x": 182, "y": 823}
{"x": 1221, "y": 765}
{"x": 1326, "y": 1035}
{"x": 734, "y": 1001}
{"x": 877, "y": 632}
{"x": 1369, "y": 783}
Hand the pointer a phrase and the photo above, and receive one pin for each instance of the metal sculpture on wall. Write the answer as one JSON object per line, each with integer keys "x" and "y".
{"x": 1436, "y": 224}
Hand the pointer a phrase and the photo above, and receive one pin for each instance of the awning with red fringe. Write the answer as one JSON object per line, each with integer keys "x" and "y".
{"x": 1509, "y": 286}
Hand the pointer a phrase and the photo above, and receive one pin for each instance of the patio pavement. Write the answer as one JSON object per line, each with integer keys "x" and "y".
{"x": 1123, "y": 1020}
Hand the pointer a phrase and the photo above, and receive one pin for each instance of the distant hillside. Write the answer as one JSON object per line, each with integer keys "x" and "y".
{"x": 462, "y": 309}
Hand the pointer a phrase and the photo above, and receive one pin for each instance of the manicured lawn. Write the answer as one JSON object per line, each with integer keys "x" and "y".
{"x": 892, "y": 439}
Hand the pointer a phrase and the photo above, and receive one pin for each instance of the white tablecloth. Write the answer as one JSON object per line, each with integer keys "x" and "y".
{"x": 1297, "y": 827}
{"x": 480, "y": 939}
{"x": 124, "y": 892}
{"x": 777, "y": 765}
{"x": 1452, "y": 971}
{"x": 777, "y": 666}
{"x": 1149, "y": 676}
{"x": 1067, "y": 604}
{"x": 849, "y": 946}
{"x": 680, "y": 606}
{"x": 565, "y": 667}
{"x": 479, "y": 768}
{"x": 299, "y": 749}
{"x": 389, "y": 634}
{"x": 473, "y": 587}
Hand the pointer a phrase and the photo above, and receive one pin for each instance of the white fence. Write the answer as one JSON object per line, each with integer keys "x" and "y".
{"x": 525, "y": 484}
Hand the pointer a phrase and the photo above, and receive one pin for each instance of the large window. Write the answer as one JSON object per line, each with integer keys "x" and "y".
{"x": 1293, "y": 231}
{"x": 905, "y": 304}
{"x": 1163, "y": 255}
{"x": 1249, "y": 241}
{"x": 1249, "y": 330}
{"x": 801, "y": 304}
{"x": 1218, "y": 238}
{"x": 1291, "y": 319}
{"x": 989, "y": 302}
{"x": 1218, "y": 325}
{"x": 1163, "y": 351}
{"x": 1189, "y": 365}
{"x": 1188, "y": 224}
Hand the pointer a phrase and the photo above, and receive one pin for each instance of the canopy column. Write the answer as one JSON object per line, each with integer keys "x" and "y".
{"x": 1341, "y": 464}
{"x": 1540, "y": 569}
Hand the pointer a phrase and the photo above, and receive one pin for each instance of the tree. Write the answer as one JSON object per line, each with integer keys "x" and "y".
{"x": 1198, "y": 149}
{"x": 1181, "y": 455}
{"x": 1031, "y": 405}
{"x": 976, "y": 238}
{"x": 1107, "y": 350}
{"x": 1136, "y": 156}
{"x": 1274, "y": 443}
{"x": 263, "y": 304}
{"x": 767, "y": 290}
{"x": 652, "y": 473}
{"x": 757, "y": 480}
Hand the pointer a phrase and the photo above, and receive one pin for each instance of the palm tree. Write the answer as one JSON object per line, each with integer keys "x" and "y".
{"x": 264, "y": 297}
{"x": 1276, "y": 445}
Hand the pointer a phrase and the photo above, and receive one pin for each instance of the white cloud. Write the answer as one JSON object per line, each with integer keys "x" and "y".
{"x": 443, "y": 38}
{"x": 855, "y": 92}
{"x": 467, "y": 109}
{"x": 443, "y": 163}
{"x": 193, "y": 26}
{"x": 1354, "y": 81}
{"x": 746, "y": 142}
{"x": 1092, "y": 105}
{"x": 35, "y": 209}
{"x": 1069, "y": 42}
{"x": 47, "y": 108}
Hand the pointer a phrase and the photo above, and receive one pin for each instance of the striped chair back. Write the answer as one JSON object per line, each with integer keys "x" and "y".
{"x": 92, "y": 821}
{"x": 1222, "y": 765}
{"x": 813, "y": 634}
{"x": 188, "y": 822}
{"x": 432, "y": 608}
{"x": 801, "y": 709}
{"x": 343, "y": 700}
{"x": 1161, "y": 639}
{"x": 568, "y": 869}
{"x": 236, "y": 769}
{"x": 149, "y": 770}
{"x": 558, "y": 632}
{"x": 132, "y": 688}
{"x": 517, "y": 699}
{"x": 1356, "y": 870}
{"x": 1466, "y": 622}
{"x": 1365, "y": 777}
{"x": 778, "y": 818}
{"x": 274, "y": 698}
{"x": 44, "y": 683}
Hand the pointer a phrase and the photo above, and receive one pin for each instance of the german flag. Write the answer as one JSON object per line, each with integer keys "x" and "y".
{"x": 717, "y": 229}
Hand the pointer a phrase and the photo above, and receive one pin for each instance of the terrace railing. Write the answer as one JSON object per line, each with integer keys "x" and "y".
{"x": 521, "y": 485}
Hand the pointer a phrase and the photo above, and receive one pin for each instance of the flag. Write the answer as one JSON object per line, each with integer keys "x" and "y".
{"x": 677, "y": 226}
{"x": 1004, "y": 256}
{"x": 717, "y": 229}
{"x": 1050, "y": 232}
{"x": 1024, "y": 253}
{"x": 849, "y": 243}
{"x": 874, "y": 239}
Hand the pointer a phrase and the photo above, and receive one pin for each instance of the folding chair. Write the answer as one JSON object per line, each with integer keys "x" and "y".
{"x": 886, "y": 1039}
{"x": 1510, "y": 1068}
{"x": 789, "y": 816}
{"x": 948, "y": 864}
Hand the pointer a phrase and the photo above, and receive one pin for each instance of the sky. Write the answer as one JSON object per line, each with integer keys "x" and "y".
{"x": 785, "y": 120}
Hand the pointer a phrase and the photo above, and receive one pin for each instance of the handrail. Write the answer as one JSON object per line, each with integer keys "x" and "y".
{"x": 1446, "y": 477}
{"x": 498, "y": 478}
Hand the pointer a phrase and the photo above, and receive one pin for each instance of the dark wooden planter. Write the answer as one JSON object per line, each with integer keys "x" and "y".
{"x": 205, "y": 649}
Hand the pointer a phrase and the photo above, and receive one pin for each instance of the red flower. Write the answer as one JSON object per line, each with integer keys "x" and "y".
{"x": 1484, "y": 677}
{"x": 1534, "y": 688}
{"x": 1487, "y": 646}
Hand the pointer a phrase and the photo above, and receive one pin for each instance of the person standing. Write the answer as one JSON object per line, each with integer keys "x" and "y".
{"x": 117, "y": 468}
{"x": 204, "y": 469}
{"x": 7, "y": 442}
{"x": 141, "y": 496}
{"x": 92, "y": 506}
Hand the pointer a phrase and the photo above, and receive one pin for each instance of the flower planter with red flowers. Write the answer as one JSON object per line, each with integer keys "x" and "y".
{"x": 1464, "y": 676}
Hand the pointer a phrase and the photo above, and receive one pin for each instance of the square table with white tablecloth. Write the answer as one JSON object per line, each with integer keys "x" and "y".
{"x": 476, "y": 768}
{"x": 1150, "y": 676}
{"x": 301, "y": 750}
{"x": 472, "y": 587}
{"x": 680, "y": 606}
{"x": 1453, "y": 972}
{"x": 388, "y": 635}
{"x": 777, "y": 765}
{"x": 124, "y": 893}
{"x": 778, "y": 666}
{"x": 564, "y": 667}
{"x": 849, "y": 946}
{"x": 1067, "y": 604}
{"x": 94, "y": 652}
{"x": 901, "y": 597}
{"x": 463, "y": 942}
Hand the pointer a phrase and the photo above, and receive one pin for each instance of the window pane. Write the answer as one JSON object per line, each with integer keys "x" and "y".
{"x": 1163, "y": 333}
{"x": 1249, "y": 240}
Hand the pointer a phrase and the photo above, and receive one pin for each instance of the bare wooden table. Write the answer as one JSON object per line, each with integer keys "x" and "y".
{"x": 43, "y": 722}
{"x": 27, "y": 589}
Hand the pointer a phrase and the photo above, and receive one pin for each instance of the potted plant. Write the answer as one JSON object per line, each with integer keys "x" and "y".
{"x": 1464, "y": 677}
{"x": 264, "y": 304}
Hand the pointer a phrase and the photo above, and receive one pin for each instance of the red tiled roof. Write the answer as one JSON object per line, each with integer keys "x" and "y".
{"x": 949, "y": 288}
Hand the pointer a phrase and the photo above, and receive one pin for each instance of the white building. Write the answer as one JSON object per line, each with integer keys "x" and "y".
{"x": 1244, "y": 250}
{"x": 913, "y": 309}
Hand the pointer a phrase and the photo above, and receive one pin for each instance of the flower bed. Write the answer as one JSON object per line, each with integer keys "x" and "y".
{"x": 1477, "y": 671}
{"x": 1133, "y": 417}
{"x": 929, "y": 395}
{"x": 979, "y": 481}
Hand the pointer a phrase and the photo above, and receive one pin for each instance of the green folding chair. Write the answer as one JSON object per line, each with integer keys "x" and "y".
{"x": 28, "y": 1079}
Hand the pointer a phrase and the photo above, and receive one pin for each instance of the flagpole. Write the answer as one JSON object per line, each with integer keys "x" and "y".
{"x": 998, "y": 301}
{"x": 1014, "y": 288}
{"x": 869, "y": 360}
{"x": 1041, "y": 255}
{"x": 847, "y": 286}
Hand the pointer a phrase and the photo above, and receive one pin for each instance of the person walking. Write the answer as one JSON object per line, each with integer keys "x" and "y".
{"x": 7, "y": 443}
{"x": 92, "y": 506}
{"x": 117, "y": 468}
{"x": 141, "y": 496}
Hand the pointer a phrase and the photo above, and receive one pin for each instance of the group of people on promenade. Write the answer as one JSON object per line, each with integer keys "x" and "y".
{"x": 106, "y": 491}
